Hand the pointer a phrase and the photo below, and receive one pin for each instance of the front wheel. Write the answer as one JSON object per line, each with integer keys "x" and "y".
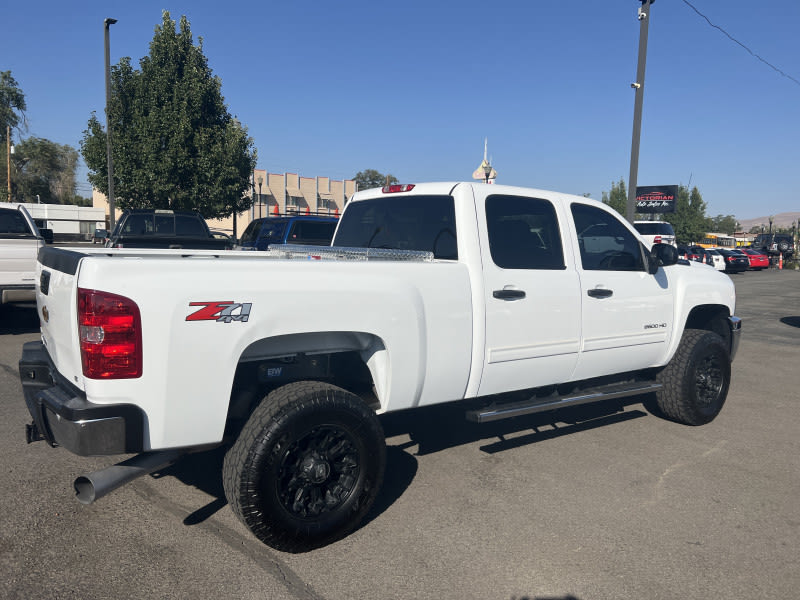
{"x": 306, "y": 467}
{"x": 695, "y": 382}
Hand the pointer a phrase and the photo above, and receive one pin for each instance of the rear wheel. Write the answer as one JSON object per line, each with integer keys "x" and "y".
{"x": 695, "y": 382}
{"x": 306, "y": 467}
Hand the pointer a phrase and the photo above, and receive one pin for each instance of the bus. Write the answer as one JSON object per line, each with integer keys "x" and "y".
{"x": 718, "y": 240}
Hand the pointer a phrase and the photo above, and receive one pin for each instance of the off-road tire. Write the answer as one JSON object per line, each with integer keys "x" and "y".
{"x": 306, "y": 467}
{"x": 695, "y": 382}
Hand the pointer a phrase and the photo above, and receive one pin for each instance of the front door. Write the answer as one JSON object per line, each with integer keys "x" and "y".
{"x": 627, "y": 313}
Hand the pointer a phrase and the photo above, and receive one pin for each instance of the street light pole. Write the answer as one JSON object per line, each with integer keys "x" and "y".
{"x": 260, "y": 181}
{"x": 111, "y": 204}
{"x": 638, "y": 87}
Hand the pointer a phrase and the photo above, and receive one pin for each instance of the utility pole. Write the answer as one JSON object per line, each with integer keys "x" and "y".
{"x": 638, "y": 87}
{"x": 111, "y": 204}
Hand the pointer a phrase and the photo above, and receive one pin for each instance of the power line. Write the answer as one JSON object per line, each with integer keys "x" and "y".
{"x": 733, "y": 39}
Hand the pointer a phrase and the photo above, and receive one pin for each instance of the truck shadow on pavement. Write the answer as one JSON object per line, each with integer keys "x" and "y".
{"x": 16, "y": 319}
{"x": 791, "y": 321}
{"x": 429, "y": 430}
{"x": 444, "y": 426}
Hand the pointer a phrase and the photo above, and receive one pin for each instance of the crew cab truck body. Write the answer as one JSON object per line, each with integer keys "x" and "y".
{"x": 20, "y": 241}
{"x": 429, "y": 294}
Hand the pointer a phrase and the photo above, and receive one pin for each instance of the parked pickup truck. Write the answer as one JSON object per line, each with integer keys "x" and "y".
{"x": 20, "y": 242}
{"x": 148, "y": 228}
{"x": 510, "y": 300}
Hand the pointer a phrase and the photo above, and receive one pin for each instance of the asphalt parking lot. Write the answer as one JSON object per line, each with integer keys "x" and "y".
{"x": 584, "y": 505}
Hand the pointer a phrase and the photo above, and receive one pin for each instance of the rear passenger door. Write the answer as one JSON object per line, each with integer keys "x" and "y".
{"x": 532, "y": 299}
{"x": 626, "y": 312}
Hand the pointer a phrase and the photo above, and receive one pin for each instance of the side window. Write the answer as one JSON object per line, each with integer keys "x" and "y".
{"x": 523, "y": 233}
{"x": 605, "y": 243}
{"x": 315, "y": 233}
{"x": 189, "y": 225}
{"x": 251, "y": 233}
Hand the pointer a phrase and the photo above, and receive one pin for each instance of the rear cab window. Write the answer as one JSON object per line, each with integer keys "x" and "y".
{"x": 654, "y": 228}
{"x": 426, "y": 223}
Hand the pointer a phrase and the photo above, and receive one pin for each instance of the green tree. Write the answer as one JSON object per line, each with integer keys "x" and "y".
{"x": 689, "y": 219}
{"x": 12, "y": 103}
{"x": 724, "y": 224}
{"x": 44, "y": 169}
{"x": 12, "y": 112}
{"x": 370, "y": 178}
{"x": 617, "y": 198}
{"x": 174, "y": 144}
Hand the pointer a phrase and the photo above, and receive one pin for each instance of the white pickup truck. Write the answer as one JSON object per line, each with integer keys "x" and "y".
{"x": 20, "y": 242}
{"x": 430, "y": 293}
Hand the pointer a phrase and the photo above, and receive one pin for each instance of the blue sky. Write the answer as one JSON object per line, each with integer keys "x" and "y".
{"x": 412, "y": 88}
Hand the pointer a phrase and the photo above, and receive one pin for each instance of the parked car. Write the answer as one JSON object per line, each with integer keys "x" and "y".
{"x": 100, "y": 236}
{"x": 735, "y": 262}
{"x": 148, "y": 228}
{"x": 717, "y": 259}
{"x": 706, "y": 257}
{"x": 301, "y": 229}
{"x": 687, "y": 253}
{"x": 655, "y": 232}
{"x": 758, "y": 260}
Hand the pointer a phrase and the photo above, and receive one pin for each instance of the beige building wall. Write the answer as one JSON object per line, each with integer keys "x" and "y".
{"x": 284, "y": 193}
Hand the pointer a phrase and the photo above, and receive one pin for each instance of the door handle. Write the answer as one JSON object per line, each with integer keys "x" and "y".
{"x": 600, "y": 293}
{"x": 508, "y": 294}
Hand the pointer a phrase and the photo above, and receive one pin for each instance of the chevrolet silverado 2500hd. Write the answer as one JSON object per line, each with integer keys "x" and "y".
{"x": 430, "y": 293}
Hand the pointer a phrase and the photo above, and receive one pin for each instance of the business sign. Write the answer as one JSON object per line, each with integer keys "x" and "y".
{"x": 656, "y": 199}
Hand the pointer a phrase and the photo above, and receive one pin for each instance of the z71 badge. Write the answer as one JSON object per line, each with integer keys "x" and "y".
{"x": 221, "y": 311}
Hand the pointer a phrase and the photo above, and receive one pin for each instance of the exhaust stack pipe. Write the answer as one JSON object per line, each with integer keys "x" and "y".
{"x": 95, "y": 485}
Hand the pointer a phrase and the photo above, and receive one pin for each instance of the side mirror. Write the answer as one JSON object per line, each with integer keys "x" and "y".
{"x": 47, "y": 234}
{"x": 662, "y": 255}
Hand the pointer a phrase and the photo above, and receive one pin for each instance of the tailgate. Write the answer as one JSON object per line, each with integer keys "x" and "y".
{"x": 17, "y": 260}
{"x": 56, "y": 301}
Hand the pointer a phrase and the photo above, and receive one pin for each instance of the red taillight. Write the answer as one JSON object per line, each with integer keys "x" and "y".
{"x": 110, "y": 331}
{"x": 657, "y": 239}
{"x": 393, "y": 189}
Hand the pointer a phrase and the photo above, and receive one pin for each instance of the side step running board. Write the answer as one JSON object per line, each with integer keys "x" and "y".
{"x": 495, "y": 412}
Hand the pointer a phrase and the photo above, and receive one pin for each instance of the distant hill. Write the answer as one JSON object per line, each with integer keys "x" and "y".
{"x": 780, "y": 220}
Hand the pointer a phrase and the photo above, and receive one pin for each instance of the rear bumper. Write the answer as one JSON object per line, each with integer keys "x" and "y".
{"x": 17, "y": 293}
{"x": 735, "y": 324}
{"x": 63, "y": 417}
